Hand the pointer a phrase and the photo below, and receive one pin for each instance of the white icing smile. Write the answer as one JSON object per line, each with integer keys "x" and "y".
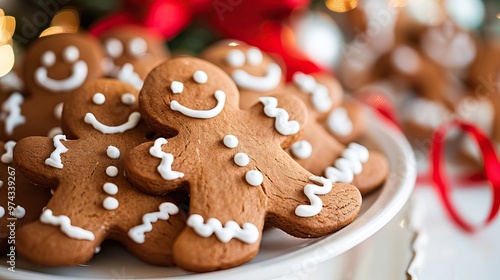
{"x": 220, "y": 96}
{"x": 254, "y": 57}
{"x": 133, "y": 120}
{"x": 75, "y": 80}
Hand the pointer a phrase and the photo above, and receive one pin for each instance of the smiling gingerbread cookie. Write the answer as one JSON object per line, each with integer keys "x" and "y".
{"x": 233, "y": 164}
{"x": 54, "y": 66}
{"x": 132, "y": 52}
{"x": 92, "y": 199}
{"x": 255, "y": 73}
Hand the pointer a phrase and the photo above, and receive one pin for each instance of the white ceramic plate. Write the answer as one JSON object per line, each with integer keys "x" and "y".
{"x": 280, "y": 254}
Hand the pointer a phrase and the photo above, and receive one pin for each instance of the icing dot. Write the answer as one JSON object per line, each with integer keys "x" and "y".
{"x": 254, "y": 178}
{"x": 19, "y": 212}
{"x": 254, "y": 56}
{"x": 110, "y": 188}
{"x": 1, "y": 183}
{"x": 114, "y": 47}
{"x": 230, "y": 141}
{"x": 97, "y": 250}
{"x": 301, "y": 149}
{"x": 111, "y": 171}
{"x": 58, "y": 110}
{"x": 113, "y": 152}
{"x": 200, "y": 77}
{"x": 177, "y": 87}
{"x": 54, "y": 131}
{"x": 48, "y": 58}
{"x": 128, "y": 99}
{"x": 110, "y": 203}
{"x": 98, "y": 98}
{"x": 235, "y": 58}
{"x": 71, "y": 54}
{"x": 241, "y": 159}
{"x": 2, "y": 211}
{"x": 138, "y": 46}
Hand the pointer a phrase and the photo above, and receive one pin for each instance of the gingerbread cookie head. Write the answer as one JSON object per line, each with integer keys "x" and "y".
{"x": 233, "y": 163}
{"x": 131, "y": 52}
{"x": 196, "y": 89}
{"x": 103, "y": 107}
{"x": 61, "y": 63}
{"x": 254, "y": 72}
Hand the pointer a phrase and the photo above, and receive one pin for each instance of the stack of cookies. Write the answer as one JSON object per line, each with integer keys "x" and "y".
{"x": 109, "y": 139}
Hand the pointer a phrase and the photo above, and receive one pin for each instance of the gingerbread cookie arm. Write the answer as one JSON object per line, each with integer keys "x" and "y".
{"x": 285, "y": 116}
{"x": 40, "y": 159}
{"x": 153, "y": 166}
{"x": 309, "y": 201}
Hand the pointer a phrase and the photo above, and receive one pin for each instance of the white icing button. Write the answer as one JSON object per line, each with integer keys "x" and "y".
{"x": 177, "y": 87}
{"x": 113, "y": 152}
{"x": 254, "y": 56}
{"x": 138, "y": 46}
{"x": 235, "y": 58}
{"x": 2, "y": 212}
{"x": 112, "y": 171}
{"x": 110, "y": 203}
{"x": 97, "y": 250}
{"x": 110, "y": 188}
{"x": 19, "y": 212}
{"x": 254, "y": 178}
{"x": 48, "y": 58}
{"x": 241, "y": 159}
{"x": 71, "y": 54}
{"x": 114, "y": 47}
{"x": 98, "y": 98}
{"x": 230, "y": 141}
{"x": 301, "y": 149}
{"x": 200, "y": 77}
{"x": 58, "y": 110}
{"x": 128, "y": 99}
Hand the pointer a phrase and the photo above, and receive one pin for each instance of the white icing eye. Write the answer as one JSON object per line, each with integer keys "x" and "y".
{"x": 137, "y": 46}
{"x": 114, "y": 47}
{"x": 200, "y": 77}
{"x": 128, "y": 99}
{"x": 254, "y": 56}
{"x": 48, "y": 58}
{"x": 177, "y": 87}
{"x": 98, "y": 98}
{"x": 236, "y": 58}
{"x": 71, "y": 54}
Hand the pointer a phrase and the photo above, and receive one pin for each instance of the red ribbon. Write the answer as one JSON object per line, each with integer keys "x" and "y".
{"x": 491, "y": 169}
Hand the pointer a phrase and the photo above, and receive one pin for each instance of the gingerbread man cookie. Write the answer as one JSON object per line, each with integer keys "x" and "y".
{"x": 54, "y": 66}
{"x": 233, "y": 164}
{"x": 255, "y": 73}
{"x": 92, "y": 199}
{"x": 319, "y": 151}
{"x": 132, "y": 52}
{"x": 21, "y": 202}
